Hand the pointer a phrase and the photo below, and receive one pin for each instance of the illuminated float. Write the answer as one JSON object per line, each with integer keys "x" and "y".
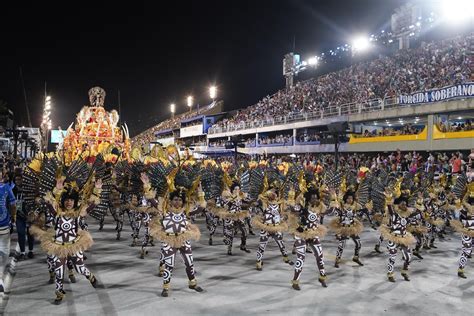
{"x": 96, "y": 131}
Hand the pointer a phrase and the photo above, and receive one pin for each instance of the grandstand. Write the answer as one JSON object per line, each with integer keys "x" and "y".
{"x": 418, "y": 98}
{"x": 168, "y": 130}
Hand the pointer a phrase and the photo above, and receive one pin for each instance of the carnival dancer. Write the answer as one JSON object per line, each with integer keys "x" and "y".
{"x": 382, "y": 219}
{"x": 144, "y": 213}
{"x": 271, "y": 224}
{"x": 117, "y": 208}
{"x": 465, "y": 226}
{"x": 416, "y": 224}
{"x": 175, "y": 231}
{"x": 38, "y": 229}
{"x": 230, "y": 210}
{"x": 434, "y": 219}
{"x": 308, "y": 231}
{"x": 397, "y": 235}
{"x": 68, "y": 240}
{"x": 346, "y": 225}
{"x": 383, "y": 190}
{"x": 211, "y": 223}
{"x": 39, "y": 216}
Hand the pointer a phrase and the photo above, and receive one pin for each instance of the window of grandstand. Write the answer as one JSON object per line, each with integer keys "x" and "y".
{"x": 192, "y": 141}
{"x": 391, "y": 127}
{"x": 458, "y": 122}
{"x": 310, "y": 135}
{"x": 280, "y": 138}
{"x": 218, "y": 142}
{"x": 249, "y": 140}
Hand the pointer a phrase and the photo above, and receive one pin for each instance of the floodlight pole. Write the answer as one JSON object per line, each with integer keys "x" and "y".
{"x": 336, "y": 149}
{"x": 47, "y": 140}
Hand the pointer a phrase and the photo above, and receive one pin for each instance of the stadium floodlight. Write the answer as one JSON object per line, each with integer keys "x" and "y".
{"x": 46, "y": 123}
{"x": 213, "y": 92}
{"x": 172, "y": 108}
{"x": 360, "y": 43}
{"x": 190, "y": 101}
{"x": 457, "y": 11}
{"x": 313, "y": 61}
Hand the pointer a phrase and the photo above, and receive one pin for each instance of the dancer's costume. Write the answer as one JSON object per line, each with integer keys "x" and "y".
{"x": 435, "y": 214}
{"x": 119, "y": 206}
{"x": 416, "y": 224}
{"x": 211, "y": 223}
{"x": 346, "y": 225}
{"x": 381, "y": 194}
{"x": 140, "y": 210}
{"x": 120, "y": 197}
{"x": 397, "y": 235}
{"x": 143, "y": 216}
{"x": 38, "y": 177}
{"x": 307, "y": 230}
{"x": 465, "y": 224}
{"x": 230, "y": 210}
{"x": 172, "y": 226}
{"x": 433, "y": 223}
{"x": 271, "y": 224}
{"x": 39, "y": 230}
{"x": 68, "y": 238}
{"x": 212, "y": 181}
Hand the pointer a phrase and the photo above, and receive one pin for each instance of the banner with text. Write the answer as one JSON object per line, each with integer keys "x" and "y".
{"x": 458, "y": 91}
{"x": 195, "y": 130}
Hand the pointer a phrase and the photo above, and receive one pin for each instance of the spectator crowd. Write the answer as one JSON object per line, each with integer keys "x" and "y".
{"x": 432, "y": 65}
{"x": 456, "y": 126}
{"x": 390, "y": 131}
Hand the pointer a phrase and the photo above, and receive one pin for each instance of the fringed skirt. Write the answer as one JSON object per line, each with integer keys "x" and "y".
{"x": 405, "y": 240}
{"x": 271, "y": 228}
{"x": 174, "y": 240}
{"x": 350, "y": 230}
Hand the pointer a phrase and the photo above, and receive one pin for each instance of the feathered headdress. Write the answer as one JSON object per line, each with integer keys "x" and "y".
{"x": 181, "y": 175}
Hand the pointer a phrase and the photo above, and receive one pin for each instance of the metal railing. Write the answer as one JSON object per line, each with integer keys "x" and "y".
{"x": 331, "y": 111}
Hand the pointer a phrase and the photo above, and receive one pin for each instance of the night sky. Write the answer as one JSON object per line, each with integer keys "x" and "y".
{"x": 159, "y": 52}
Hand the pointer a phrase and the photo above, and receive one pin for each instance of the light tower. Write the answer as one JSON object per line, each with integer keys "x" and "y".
{"x": 46, "y": 124}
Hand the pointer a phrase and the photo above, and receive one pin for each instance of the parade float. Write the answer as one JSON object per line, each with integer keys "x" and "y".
{"x": 96, "y": 131}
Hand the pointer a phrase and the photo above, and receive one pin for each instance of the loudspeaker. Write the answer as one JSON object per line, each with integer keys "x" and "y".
{"x": 236, "y": 138}
{"x": 338, "y": 127}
